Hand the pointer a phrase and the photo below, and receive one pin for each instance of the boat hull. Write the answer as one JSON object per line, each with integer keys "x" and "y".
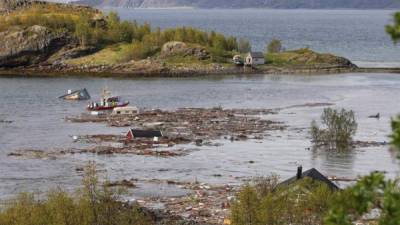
{"x": 82, "y": 94}
{"x": 106, "y": 108}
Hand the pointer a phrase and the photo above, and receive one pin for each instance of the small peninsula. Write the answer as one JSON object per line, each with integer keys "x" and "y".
{"x": 55, "y": 39}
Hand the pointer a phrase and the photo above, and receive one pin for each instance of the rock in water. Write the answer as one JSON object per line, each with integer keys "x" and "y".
{"x": 28, "y": 46}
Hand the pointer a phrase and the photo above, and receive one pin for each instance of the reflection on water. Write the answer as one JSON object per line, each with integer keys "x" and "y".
{"x": 331, "y": 157}
{"x": 38, "y": 123}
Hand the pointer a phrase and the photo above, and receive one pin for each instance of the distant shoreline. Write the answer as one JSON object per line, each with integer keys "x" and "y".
{"x": 216, "y": 8}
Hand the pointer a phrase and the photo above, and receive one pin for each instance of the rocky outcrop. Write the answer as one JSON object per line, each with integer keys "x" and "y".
{"x": 70, "y": 51}
{"x": 29, "y": 46}
{"x": 306, "y": 58}
{"x": 174, "y": 48}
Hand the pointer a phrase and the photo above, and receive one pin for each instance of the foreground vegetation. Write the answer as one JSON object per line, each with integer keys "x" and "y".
{"x": 264, "y": 202}
{"x": 94, "y": 204}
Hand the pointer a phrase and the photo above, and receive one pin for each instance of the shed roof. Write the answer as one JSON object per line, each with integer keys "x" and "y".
{"x": 146, "y": 133}
{"x": 256, "y": 54}
{"x": 314, "y": 174}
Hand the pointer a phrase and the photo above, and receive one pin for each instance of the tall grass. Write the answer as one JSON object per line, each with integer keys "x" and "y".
{"x": 94, "y": 204}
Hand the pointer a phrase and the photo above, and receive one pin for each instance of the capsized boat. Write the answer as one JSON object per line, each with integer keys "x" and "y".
{"x": 82, "y": 94}
{"x": 107, "y": 102}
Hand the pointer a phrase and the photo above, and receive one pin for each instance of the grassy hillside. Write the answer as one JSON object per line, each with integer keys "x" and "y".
{"x": 303, "y": 57}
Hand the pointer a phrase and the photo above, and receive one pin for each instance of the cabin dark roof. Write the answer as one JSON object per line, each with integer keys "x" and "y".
{"x": 256, "y": 54}
{"x": 314, "y": 174}
{"x": 146, "y": 133}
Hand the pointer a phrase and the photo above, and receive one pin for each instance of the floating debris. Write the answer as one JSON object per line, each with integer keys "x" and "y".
{"x": 6, "y": 121}
{"x": 197, "y": 125}
{"x": 36, "y": 154}
{"x": 122, "y": 183}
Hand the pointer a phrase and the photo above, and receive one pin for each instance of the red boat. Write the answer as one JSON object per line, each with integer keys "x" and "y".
{"x": 107, "y": 103}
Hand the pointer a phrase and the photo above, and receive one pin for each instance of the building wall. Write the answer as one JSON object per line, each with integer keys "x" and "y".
{"x": 258, "y": 61}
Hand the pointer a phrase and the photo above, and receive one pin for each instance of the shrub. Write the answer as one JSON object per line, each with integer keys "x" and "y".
{"x": 93, "y": 204}
{"x": 338, "y": 129}
{"x": 371, "y": 192}
{"x": 394, "y": 29}
{"x": 138, "y": 50}
{"x": 395, "y": 132}
{"x": 305, "y": 204}
{"x": 275, "y": 46}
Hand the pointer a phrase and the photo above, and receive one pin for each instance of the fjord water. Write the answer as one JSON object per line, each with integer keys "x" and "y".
{"x": 355, "y": 34}
{"x": 38, "y": 116}
{"x": 38, "y": 123}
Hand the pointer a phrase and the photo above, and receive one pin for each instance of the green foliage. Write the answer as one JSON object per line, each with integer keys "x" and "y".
{"x": 93, "y": 28}
{"x": 338, "y": 131}
{"x": 275, "y": 46}
{"x": 83, "y": 30}
{"x": 394, "y": 29}
{"x": 139, "y": 50}
{"x": 244, "y": 46}
{"x": 371, "y": 192}
{"x": 301, "y": 57}
{"x": 396, "y": 133}
{"x": 95, "y": 204}
{"x": 303, "y": 203}
{"x": 245, "y": 211}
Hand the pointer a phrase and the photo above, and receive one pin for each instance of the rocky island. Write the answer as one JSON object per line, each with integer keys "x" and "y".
{"x": 54, "y": 39}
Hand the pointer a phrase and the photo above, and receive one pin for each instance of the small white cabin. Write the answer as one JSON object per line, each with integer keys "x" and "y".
{"x": 127, "y": 110}
{"x": 255, "y": 58}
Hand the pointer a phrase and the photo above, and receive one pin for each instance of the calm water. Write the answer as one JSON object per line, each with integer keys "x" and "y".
{"x": 38, "y": 116}
{"x": 38, "y": 123}
{"x": 356, "y": 34}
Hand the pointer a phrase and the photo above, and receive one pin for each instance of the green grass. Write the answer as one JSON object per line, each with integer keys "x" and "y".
{"x": 299, "y": 57}
{"x": 110, "y": 55}
{"x": 179, "y": 59}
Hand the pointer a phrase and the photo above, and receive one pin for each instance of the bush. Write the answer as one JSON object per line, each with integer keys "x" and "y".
{"x": 275, "y": 46}
{"x": 394, "y": 30}
{"x": 266, "y": 203}
{"x": 338, "y": 130}
{"x": 371, "y": 192}
{"x": 395, "y": 132}
{"x": 138, "y": 50}
{"x": 93, "y": 204}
